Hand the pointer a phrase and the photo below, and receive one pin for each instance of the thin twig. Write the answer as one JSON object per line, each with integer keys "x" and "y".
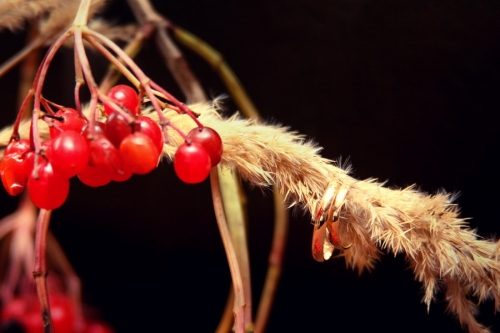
{"x": 239, "y": 301}
{"x": 28, "y": 70}
{"x": 233, "y": 207}
{"x": 249, "y": 110}
{"x": 227, "y": 319}
{"x": 281, "y": 218}
{"x": 174, "y": 59}
{"x": 218, "y": 63}
{"x": 40, "y": 270}
{"x": 132, "y": 49}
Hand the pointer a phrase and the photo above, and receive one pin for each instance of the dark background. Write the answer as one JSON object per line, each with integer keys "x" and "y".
{"x": 408, "y": 90}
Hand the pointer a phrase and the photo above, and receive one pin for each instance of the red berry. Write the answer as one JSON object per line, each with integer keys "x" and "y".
{"x": 210, "y": 140}
{"x": 104, "y": 161}
{"x": 70, "y": 153}
{"x": 192, "y": 163}
{"x": 122, "y": 175}
{"x": 117, "y": 128}
{"x": 71, "y": 121}
{"x": 148, "y": 126}
{"x": 99, "y": 128}
{"x": 15, "y": 170}
{"x": 125, "y": 97}
{"x": 17, "y": 146}
{"x": 50, "y": 189}
{"x": 94, "y": 176}
{"x": 62, "y": 312}
{"x": 139, "y": 153}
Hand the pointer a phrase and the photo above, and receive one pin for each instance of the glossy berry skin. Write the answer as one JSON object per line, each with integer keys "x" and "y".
{"x": 15, "y": 170}
{"x": 125, "y": 97}
{"x": 50, "y": 189}
{"x": 103, "y": 162}
{"x": 71, "y": 121}
{"x": 99, "y": 129}
{"x": 69, "y": 153}
{"x": 94, "y": 176}
{"x": 210, "y": 140}
{"x": 117, "y": 129}
{"x": 148, "y": 126}
{"x": 122, "y": 174}
{"x": 192, "y": 163}
{"x": 139, "y": 153}
{"x": 17, "y": 146}
{"x": 62, "y": 312}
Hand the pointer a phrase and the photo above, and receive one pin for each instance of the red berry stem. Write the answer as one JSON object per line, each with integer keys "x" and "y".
{"x": 47, "y": 107}
{"x": 81, "y": 58}
{"x": 79, "y": 83}
{"x": 143, "y": 79}
{"x": 40, "y": 270}
{"x": 15, "y": 130}
{"x": 57, "y": 106}
{"x": 27, "y": 99}
{"x": 175, "y": 128}
{"x": 34, "y": 134}
{"x": 177, "y": 103}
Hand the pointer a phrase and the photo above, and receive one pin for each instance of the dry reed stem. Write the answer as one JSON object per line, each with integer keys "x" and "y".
{"x": 427, "y": 229}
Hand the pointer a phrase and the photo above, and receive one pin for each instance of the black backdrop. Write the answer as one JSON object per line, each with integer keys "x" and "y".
{"x": 408, "y": 90}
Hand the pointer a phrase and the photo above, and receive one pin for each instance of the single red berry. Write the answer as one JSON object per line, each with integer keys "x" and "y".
{"x": 122, "y": 175}
{"x": 62, "y": 312}
{"x": 192, "y": 163}
{"x": 15, "y": 170}
{"x": 94, "y": 176}
{"x": 17, "y": 146}
{"x": 104, "y": 161}
{"x": 71, "y": 120}
{"x": 50, "y": 189}
{"x": 125, "y": 97}
{"x": 210, "y": 140}
{"x": 99, "y": 128}
{"x": 70, "y": 153}
{"x": 148, "y": 126}
{"x": 117, "y": 128}
{"x": 139, "y": 153}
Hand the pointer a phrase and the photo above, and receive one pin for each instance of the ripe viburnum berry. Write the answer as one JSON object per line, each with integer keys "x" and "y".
{"x": 210, "y": 140}
{"x": 69, "y": 153}
{"x": 148, "y": 126}
{"x": 71, "y": 120}
{"x": 17, "y": 146}
{"x": 117, "y": 128}
{"x": 125, "y": 97}
{"x": 104, "y": 161}
{"x": 50, "y": 189}
{"x": 15, "y": 169}
{"x": 139, "y": 153}
{"x": 192, "y": 163}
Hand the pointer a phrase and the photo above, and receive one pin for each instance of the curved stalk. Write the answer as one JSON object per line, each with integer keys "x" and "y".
{"x": 40, "y": 270}
{"x": 239, "y": 303}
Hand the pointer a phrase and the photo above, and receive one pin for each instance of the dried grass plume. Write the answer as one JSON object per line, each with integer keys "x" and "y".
{"x": 427, "y": 229}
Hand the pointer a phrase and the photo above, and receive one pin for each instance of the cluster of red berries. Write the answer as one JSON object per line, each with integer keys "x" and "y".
{"x": 113, "y": 151}
{"x": 25, "y": 312}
